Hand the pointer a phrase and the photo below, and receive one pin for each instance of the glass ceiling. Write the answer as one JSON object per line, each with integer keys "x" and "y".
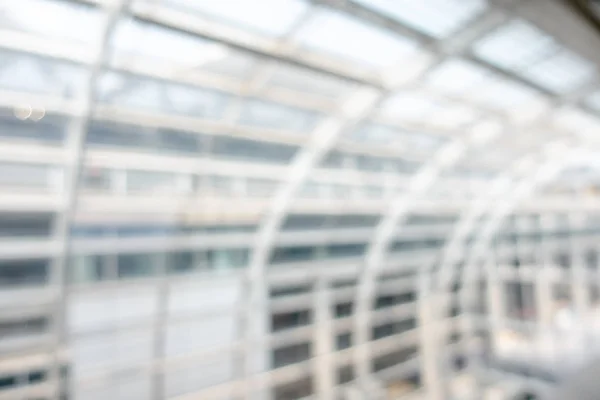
{"x": 295, "y": 67}
{"x": 207, "y": 116}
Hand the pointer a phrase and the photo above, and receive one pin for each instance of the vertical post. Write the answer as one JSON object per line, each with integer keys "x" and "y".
{"x": 160, "y": 329}
{"x": 431, "y": 348}
{"x": 324, "y": 347}
{"x": 543, "y": 285}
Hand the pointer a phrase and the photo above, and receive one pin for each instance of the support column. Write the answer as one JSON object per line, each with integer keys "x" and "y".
{"x": 323, "y": 342}
{"x": 496, "y": 301}
{"x": 543, "y": 298}
{"x": 160, "y": 329}
{"x": 580, "y": 288}
{"x": 431, "y": 345}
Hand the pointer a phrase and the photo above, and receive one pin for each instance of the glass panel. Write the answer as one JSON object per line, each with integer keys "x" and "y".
{"x": 120, "y": 135}
{"x": 593, "y": 101}
{"x": 151, "y": 182}
{"x": 416, "y": 108}
{"x": 47, "y": 130}
{"x": 291, "y": 354}
{"x": 272, "y": 17}
{"x": 291, "y": 254}
{"x": 304, "y": 80}
{"x": 140, "y": 137}
{"x": 25, "y": 175}
{"x": 340, "y": 35}
{"x": 148, "y": 94}
{"x": 275, "y": 116}
{"x": 371, "y": 164}
{"x": 437, "y": 18}
{"x": 25, "y": 224}
{"x": 261, "y": 187}
{"x": 520, "y": 47}
{"x": 180, "y": 262}
{"x": 343, "y": 341}
{"x": 354, "y": 221}
{"x": 226, "y": 259}
{"x": 304, "y": 221}
{"x": 54, "y": 19}
{"x": 137, "y": 265}
{"x": 462, "y": 78}
{"x": 375, "y": 133}
{"x": 252, "y": 149}
{"x": 23, "y": 272}
{"x": 39, "y": 75}
{"x": 88, "y": 269}
{"x": 133, "y": 39}
{"x": 23, "y": 326}
{"x": 345, "y": 250}
{"x": 96, "y": 179}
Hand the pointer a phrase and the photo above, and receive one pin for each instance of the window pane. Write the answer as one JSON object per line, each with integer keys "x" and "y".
{"x": 438, "y": 18}
{"x": 34, "y": 74}
{"x": 161, "y": 96}
{"x": 137, "y": 265}
{"x": 23, "y": 272}
{"x": 225, "y": 259}
{"x": 151, "y": 182}
{"x": 25, "y": 326}
{"x": 96, "y": 179}
{"x": 521, "y": 47}
{"x": 49, "y": 130}
{"x": 61, "y": 20}
{"x": 272, "y": 17}
{"x": 304, "y": 221}
{"x": 25, "y": 225}
{"x": 291, "y": 254}
{"x": 25, "y": 175}
{"x": 180, "y": 262}
{"x": 265, "y": 114}
{"x": 345, "y": 250}
{"x": 88, "y": 269}
{"x": 338, "y": 34}
{"x": 252, "y": 150}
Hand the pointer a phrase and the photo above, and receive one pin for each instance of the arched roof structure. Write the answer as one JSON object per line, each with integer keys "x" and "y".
{"x": 246, "y": 117}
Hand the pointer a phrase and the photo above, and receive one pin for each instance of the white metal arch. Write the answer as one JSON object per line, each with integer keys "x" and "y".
{"x": 353, "y": 111}
{"x": 532, "y": 175}
{"x": 439, "y": 282}
{"x": 77, "y": 132}
{"x": 322, "y": 139}
{"x": 402, "y": 204}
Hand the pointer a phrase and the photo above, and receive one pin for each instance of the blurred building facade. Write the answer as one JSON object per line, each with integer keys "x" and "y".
{"x": 286, "y": 199}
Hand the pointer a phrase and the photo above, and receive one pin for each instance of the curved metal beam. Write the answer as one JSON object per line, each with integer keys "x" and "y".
{"x": 401, "y": 205}
{"x": 254, "y": 287}
{"x": 532, "y": 174}
{"x": 454, "y": 251}
{"x": 77, "y": 133}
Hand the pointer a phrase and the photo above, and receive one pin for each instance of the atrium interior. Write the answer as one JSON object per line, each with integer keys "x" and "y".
{"x": 297, "y": 199}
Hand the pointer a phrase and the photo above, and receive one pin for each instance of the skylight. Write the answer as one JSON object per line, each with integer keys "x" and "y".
{"x": 145, "y": 40}
{"x": 57, "y": 19}
{"x": 379, "y": 134}
{"x": 307, "y": 81}
{"x": 461, "y": 78}
{"x": 39, "y": 75}
{"x": 438, "y": 18}
{"x": 416, "y": 108}
{"x": 148, "y": 94}
{"x": 577, "y": 122}
{"x": 593, "y": 101}
{"x": 272, "y": 17}
{"x": 343, "y": 36}
{"x": 276, "y": 116}
{"x": 524, "y": 49}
